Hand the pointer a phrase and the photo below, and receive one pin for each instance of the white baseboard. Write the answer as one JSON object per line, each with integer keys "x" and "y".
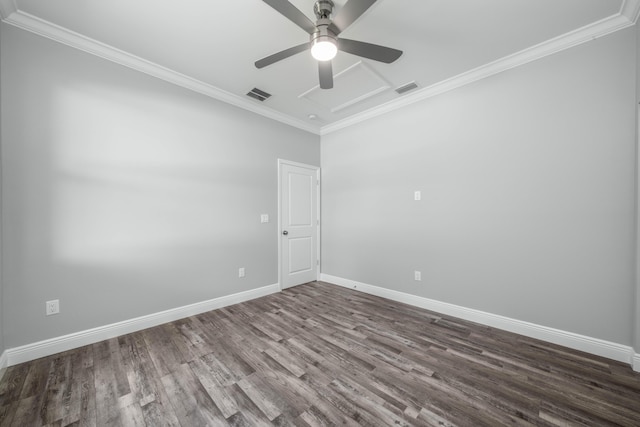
{"x": 51, "y": 346}
{"x": 619, "y": 352}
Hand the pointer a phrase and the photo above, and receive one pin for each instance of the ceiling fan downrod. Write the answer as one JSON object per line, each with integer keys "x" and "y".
{"x": 323, "y": 9}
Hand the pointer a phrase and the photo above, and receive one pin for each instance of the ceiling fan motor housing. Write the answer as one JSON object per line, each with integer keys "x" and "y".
{"x": 323, "y": 32}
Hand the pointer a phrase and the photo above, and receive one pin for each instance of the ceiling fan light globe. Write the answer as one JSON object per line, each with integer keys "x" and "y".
{"x": 324, "y": 49}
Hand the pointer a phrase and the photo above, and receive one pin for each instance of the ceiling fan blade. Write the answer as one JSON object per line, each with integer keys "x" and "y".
{"x": 261, "y": 63}
{"x": 349, "y": 13}
{"x": 325, "y": 70}
{"x": 293, "y": 14}
{"x": 370, "y": 51}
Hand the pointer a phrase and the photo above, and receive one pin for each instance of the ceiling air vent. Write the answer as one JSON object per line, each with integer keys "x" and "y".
{"x": 406, "y": 88}
{"x": 258, "y": 94}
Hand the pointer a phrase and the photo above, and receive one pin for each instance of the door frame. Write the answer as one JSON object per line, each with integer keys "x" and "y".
{"x": 282, "y": 162}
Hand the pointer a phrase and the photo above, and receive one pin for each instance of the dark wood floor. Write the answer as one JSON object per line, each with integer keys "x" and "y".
{"x": 318, "y": 354}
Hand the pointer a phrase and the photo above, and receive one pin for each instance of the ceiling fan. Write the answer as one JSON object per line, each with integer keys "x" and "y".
{"x": 324, "y": 42}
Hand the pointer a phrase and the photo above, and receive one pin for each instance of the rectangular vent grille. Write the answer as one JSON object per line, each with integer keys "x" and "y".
{"x": 406, "y": 88}
{"x": 258, "y": 94}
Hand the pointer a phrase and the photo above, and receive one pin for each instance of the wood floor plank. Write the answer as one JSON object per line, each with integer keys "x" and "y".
{"x": 192, "y": 404}
{"x": 106, "y": 389}
{"x": 36, "y": 378}
{"x": 8, "y": 413}
{"x": 217, "y": 389}
{"x": 146, "y": 381}
{"x": 261, "y": 396}
{"x": 73, "y": 388}
{"x": 318, "y": 355}
{"x": 162, "y": 350}
{"x": 26, "y": 412}
{"x": 12, "y": 383}
{"x": 52, "y": 407}
{"x": 88, "y": 416}
{"x": 249, "y": 414}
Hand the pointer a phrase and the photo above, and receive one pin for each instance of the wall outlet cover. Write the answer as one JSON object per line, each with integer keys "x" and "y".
{"x": 52, "y": 307}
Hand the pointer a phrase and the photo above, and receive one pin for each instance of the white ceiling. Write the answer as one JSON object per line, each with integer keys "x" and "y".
{"x": 210, "y": 46}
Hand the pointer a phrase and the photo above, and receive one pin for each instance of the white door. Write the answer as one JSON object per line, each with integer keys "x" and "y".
{"x": 298, "y": 223}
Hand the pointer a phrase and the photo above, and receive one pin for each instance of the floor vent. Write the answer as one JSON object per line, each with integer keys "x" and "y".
{"x": 258, "y": 94}
{"x": 406, "y": 88}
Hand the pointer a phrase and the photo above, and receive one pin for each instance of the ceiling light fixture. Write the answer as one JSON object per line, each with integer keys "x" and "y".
{"x": 323, "y": 45}
{"x": 324, "y": 48}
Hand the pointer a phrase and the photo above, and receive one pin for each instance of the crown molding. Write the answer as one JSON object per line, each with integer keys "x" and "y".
{"x": 70, "y": 38}
{"x": 631, "y": 10}
{"x": 626, "y": 18}
{"x": 7, "y": 7}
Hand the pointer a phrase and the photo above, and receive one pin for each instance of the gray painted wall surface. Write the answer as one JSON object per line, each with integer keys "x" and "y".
{"x": 527, "y": 182}
{"x": 2, "y": 347}
{"x": 125, "y": 195}
{"x": 636, "y": 336}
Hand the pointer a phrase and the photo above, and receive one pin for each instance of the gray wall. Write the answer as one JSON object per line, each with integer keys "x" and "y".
{"x": 636, "y": 342}
{"x": 125, "y": 195}
{"x": 527, "y": 183}
{"x": 2, "y": 347}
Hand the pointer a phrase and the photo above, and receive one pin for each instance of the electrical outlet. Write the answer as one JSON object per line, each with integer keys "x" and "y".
{"x": 264, "y": 218}
{"x": 241, "y": 272}
{"x": 417, "y": 276}
{"x": 417, "y": 195}
{"x": 52, "y": 307}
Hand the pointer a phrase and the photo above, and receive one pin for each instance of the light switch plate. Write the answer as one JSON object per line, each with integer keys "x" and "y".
{"x": 417, "y": 195}
{"x": 264, "y": 218}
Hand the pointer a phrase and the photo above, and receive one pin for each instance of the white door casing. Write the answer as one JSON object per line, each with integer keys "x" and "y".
{"x": 298, "y": 223}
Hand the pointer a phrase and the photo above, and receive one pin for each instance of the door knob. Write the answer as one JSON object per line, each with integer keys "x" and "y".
{"x": 285, "y": 232}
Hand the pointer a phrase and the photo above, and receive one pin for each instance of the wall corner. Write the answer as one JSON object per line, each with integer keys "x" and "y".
{"x": 636, "y": 320}
{"x": 4, "y": 359}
